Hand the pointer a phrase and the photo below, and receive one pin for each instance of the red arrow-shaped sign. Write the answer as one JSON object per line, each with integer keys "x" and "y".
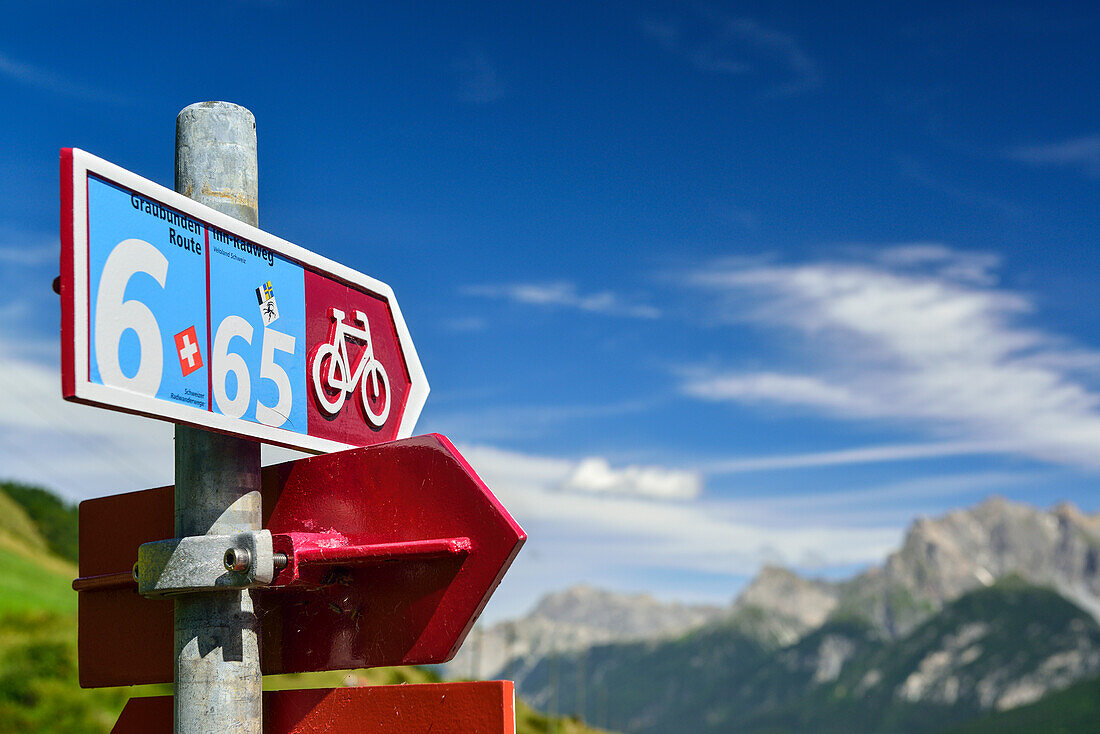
{"x": 393, "y": 551}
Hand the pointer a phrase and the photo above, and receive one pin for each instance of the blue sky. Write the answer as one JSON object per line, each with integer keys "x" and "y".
{"x": 697, "y": 286}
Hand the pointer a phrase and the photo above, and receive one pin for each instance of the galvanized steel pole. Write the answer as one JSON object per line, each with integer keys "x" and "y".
{"x": 218, "y": 681}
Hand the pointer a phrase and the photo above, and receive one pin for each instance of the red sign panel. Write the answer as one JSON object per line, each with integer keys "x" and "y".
{"x": 343, "y": 409}
{"x": 440, "y": 708}
{"x": 414, "y": 544}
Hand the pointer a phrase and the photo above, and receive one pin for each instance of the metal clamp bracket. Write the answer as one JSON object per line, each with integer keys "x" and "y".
{"x": 259, "y": 559}
{"x": 205, "y": 563}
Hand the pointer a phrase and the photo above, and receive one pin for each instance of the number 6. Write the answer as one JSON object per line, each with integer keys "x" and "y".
{"x": 113, "y": 316}
{"x": 223, "y": 361}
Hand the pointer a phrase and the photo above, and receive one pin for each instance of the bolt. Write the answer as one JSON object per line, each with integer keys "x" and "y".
{"x": 134, "y": 572}
{"x": 237, "y": 559}
{"x": 281, "y": 561}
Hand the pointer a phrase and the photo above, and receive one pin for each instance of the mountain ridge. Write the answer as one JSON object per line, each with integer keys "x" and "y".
{"x": 572, "y": 619}
{"x": 814, "y": 635}
{"x": 991, "y": 649}
{"x": 940, "y": 559}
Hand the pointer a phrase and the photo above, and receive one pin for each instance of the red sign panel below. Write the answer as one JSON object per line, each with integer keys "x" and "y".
{"x": 440, "y": 708}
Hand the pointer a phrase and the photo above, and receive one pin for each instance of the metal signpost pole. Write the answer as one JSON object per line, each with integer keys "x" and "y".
{"x": 217, "y": 676}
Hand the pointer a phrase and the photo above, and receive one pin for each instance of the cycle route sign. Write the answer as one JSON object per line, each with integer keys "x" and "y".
{"x": 176, "y": 311}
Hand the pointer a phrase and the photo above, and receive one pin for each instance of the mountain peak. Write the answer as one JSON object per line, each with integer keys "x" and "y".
{"x": 573, "y": 619}
{"x": 624, "y": 614}
{"x": 943, "y": 557}
{"x": 780, "y": 590}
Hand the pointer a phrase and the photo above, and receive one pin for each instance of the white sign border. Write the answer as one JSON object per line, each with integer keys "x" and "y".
{"x": 76, "y": 385}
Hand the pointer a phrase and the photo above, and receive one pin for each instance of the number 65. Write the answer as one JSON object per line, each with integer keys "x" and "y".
{"x": 115, "y": 316}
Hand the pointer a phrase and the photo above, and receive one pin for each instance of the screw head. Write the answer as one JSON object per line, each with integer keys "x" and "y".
{"x": 237, "y": 559}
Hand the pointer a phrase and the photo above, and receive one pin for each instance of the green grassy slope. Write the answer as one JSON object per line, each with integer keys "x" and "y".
{"x": 38, "y": 688}
{"x": 53, "y": 519}
{"x": 32, "y": 577}
{"x": 28, "y": 585}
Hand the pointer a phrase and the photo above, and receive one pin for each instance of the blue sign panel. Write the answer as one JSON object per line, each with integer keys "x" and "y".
{"x": 257, "y": 310}
{"x": 148, "y": 285}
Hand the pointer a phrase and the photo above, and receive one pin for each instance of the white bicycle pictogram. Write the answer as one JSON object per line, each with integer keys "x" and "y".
{"x": 341, "y": 378}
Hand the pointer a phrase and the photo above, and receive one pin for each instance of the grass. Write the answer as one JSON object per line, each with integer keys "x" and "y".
{"x": 54, "y": 520}
{"x": 529, "y": 721}
{"x": 29, "y": 585}
{"x": 38, "y": 688}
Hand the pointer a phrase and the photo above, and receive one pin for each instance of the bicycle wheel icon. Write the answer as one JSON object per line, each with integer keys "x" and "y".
{"x": 326, "y": 361}
{"x": 374, "y": 393}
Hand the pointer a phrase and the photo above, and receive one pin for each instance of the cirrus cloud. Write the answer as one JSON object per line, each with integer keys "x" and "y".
{"x": 1080, "y": 153}
{"x": 564, "y": 294}
{"x": 912, "y": 337}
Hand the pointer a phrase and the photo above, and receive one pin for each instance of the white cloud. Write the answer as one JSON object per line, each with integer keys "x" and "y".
{"x": 772, "y": 387}
{"x": 587, "y": 520}
{"x": 564, "y": 295}
{"x": 595, "y": 475}
{"x": 641, "y": 532}
{"x": 894, "y": 502}
{"x": 28, "y": 255}
{"x": 923, "y": 175}
{"x": 803, "y": 70}
{"x": 724, "y": 44}
{"x": 466, "y": 324}
{"x": 1081, "y": 153}
{"x": 49, "y": 81}
{"x": 913, "y": 347}
{"x": 969, "y": 267}
{"x": 626, "y": 542}
{"x": 485, "y": 423}
{"x": 665, "y": 33}
{"x": 78, "y": 450}
{"x": 862, "y": 455}
{"x": 28, "y": 248}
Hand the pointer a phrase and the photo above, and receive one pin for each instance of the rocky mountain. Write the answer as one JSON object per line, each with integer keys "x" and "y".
{"x": 570, "y": 620}
{"x": 944, "y": 557}
{"x": 991, "y": 649}
{"x": 940, "y": 559}
{"x": 1071, "y": 711}
{"x": 780, "y": 606}
{"x": 917, "y": 634}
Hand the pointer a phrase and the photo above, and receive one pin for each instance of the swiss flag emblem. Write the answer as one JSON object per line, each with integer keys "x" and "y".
{"x": 187, "y": 344}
